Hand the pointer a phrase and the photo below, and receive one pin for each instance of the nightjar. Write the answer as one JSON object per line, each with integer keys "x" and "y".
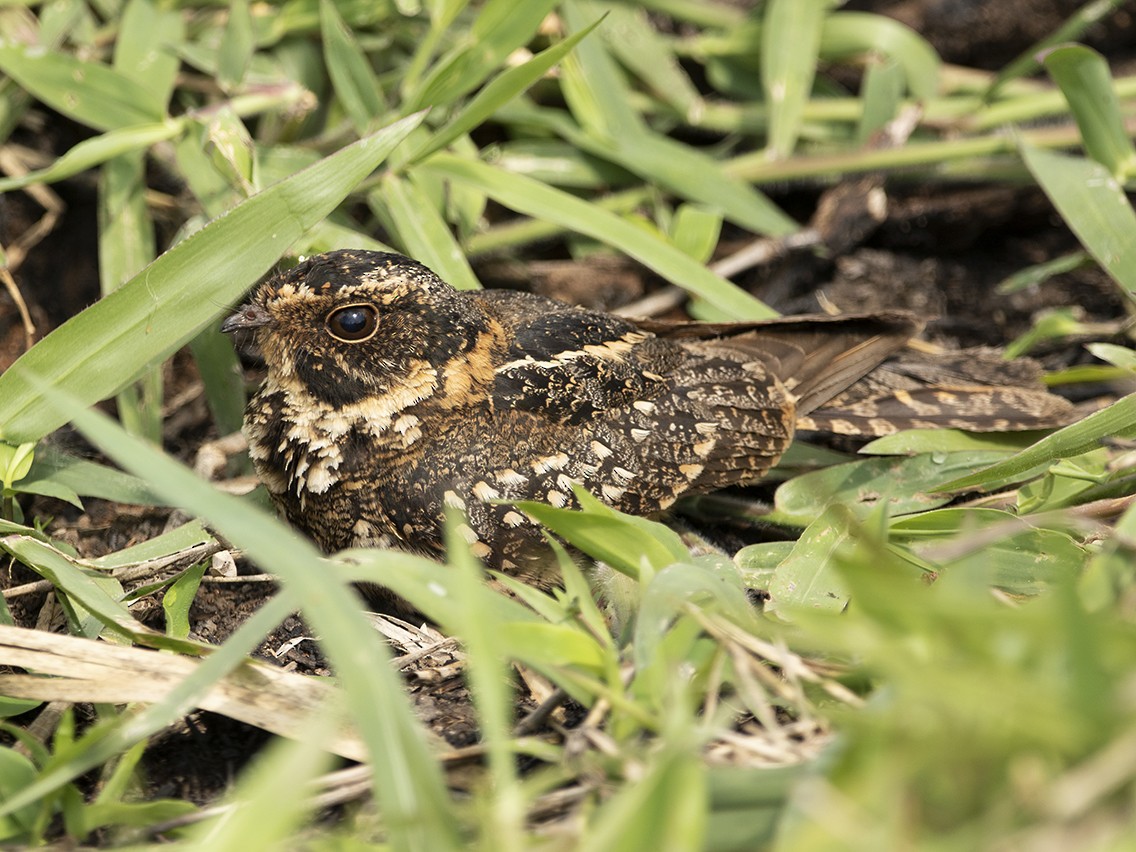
{"x": 390, "y": 396}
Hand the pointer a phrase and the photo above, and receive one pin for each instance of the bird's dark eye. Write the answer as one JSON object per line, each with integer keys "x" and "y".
{"x": 353, "y": 323}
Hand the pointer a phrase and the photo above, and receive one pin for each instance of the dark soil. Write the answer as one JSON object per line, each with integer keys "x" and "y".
{"x": 941, "y": 252}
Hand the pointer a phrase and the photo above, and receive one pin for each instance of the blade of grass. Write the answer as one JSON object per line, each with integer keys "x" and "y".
{"x": 425, "y": 236}
{"x": 790, "y": 42}
{"x": 543, "y": 202}
{"x": 94, "y": 353}
{"x": 88, "y": 92}
{"x": 355, "y": 82}
{"x": 1115, "y": 421}
{"x": 1084, "y": 78}
{"x": 1094, "y": 205}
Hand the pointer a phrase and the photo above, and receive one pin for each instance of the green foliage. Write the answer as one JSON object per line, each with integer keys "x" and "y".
{"x": 974, "y": 661}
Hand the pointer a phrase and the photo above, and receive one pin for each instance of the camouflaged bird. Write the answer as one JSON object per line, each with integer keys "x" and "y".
{"x": 391, "y": 396}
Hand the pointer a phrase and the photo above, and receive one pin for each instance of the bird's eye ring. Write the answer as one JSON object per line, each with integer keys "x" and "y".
{"x": 353, "y": 323}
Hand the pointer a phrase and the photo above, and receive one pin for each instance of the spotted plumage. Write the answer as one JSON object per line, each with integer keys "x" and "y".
{"x": 391, "y": 396}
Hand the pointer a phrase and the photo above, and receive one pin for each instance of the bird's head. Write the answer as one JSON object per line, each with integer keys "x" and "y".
{"x": 349, "y": 325}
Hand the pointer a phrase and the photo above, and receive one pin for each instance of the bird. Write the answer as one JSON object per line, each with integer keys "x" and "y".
{"x": 392, "y": 398}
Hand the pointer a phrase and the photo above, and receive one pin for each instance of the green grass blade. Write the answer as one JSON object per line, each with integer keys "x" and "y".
{"x": 94, "y": 152}
{"x": 1094, "y": 205}
{"x": 543, "y": 202}
{"x": 498, "y": 92}
{"x": 848, "y": 34}
{"x": 1072, "y": 29}
{"x": 1115, "y": 421}
{"x": 94, "y": 353}
{"x": 639, "y": 46}
{"x": 236, "y": 49}
{"x": 88, "y": 92}
{"x": 144, "y": 47}
{"x": 424, "y": 233}
{"x": 354, "y": 79}
{"x": 1084, "y": 78}
{"x": 790, "y": 41}
{"x": 501, "y": 27}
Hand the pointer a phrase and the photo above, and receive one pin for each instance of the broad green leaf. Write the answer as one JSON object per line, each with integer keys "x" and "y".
{"x": 1115, "y": 421}
{"x": 902, "y": 485}
{"x": 16, "y": 773}
{"x": 610, "y": 539}
{"x": 881, "y": 93}
{"x": 1119, "y": 356}
{"x": 808, "y": 576}
{"x": 1093, "y": 205}
{"x": 1084, "y": 78}
{"x": 220, "y": 370}
{"x": 90, "y": 479}
{"x": 543, "y": 202}
{"x": 92, "y": 354}
{"x": 179, "y": 598}
{"x": 790, "y": 41}
{"x": 175, "y": 541}
{"x": 89, "y": 92}
{"x": 355, "y": 82}
{"x": 66, "y": 575}
{"x": 695, "y": 231}
{"x": 555, "y": 645}
{"x": 1007, "y": 551}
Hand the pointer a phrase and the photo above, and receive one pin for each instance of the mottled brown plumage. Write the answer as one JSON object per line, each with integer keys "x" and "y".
{"x": 390, "y": 396}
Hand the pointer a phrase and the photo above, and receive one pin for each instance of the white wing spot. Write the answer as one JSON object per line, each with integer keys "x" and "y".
{"x": 482, "y": 490}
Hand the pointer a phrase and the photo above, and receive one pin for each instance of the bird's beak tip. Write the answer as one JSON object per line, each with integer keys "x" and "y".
{"x": 245, "y": 318}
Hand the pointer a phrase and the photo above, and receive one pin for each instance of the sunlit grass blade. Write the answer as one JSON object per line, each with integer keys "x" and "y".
{"x": 355, "y": 83}
{"x": 95, "y": 353}
{"x": 1115, "y": 421}
{"x": 412, "y": 215}
{"x": 1084, "y": 78}
{"x": 498, "y": 92}
{"x": 543, "y": 202}
{"x": 501, "y": 27}
{"x": 632, "y": 37}
{"x": 89, "y": 92}
{"x": 790, "y": 41}
{"x": 1095, "y": 207}
{"x": 96, "y": 151}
